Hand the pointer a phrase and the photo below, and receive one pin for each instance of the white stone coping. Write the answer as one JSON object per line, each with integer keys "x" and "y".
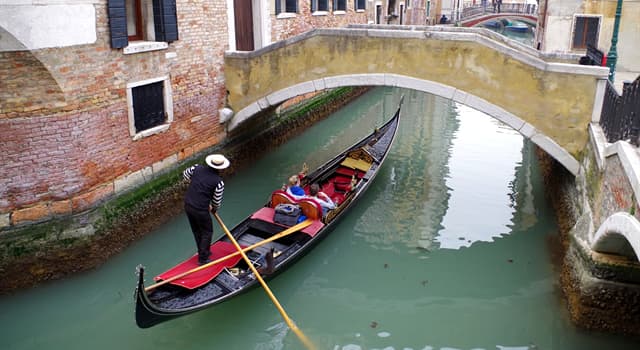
{"x": 614, "y": 231}
{"x": 144, "y": 46}
{"x": 630, "y": 160}
{"x": 381, "y": 79}
{"x": 481, "y": 36}
{"x": 283, "y": 15}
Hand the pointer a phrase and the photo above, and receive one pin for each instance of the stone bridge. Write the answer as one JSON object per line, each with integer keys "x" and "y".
{"x": 549, "y": 101}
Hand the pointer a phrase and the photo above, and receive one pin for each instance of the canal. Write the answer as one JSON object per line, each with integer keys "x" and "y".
{"x": 451, "y": 248}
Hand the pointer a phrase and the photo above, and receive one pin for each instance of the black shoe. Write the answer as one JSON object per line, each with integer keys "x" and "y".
{"x": 203, "y": 262}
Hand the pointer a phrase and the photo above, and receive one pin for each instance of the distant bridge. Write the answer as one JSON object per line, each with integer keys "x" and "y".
{"x": 550, "y": 103}
{"x": 477, "y": 14}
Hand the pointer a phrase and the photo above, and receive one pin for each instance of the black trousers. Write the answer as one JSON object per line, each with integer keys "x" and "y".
{"x": 202, "y": 228}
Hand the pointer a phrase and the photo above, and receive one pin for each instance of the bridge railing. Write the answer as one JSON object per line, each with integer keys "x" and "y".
{"x": 488, "y": 8}
{"x": 620, "y": 118}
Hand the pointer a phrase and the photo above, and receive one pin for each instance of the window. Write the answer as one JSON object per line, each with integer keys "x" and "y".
{"x": 134, "y": 19}
{"x": 319, "y": 6}
{"x": 359, "y": 4}
{"x": 339, "y": 5}
{"x": 286, "y": 6}
{"x": 137, "y": 20}
{"x": 150, "y": 107}
{"x": 585, "y": 32}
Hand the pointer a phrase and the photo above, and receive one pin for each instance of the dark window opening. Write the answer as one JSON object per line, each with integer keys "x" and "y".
{"x": 288, "y": 6}
{"x": 319, "y": 5}
{"x": 360, "y": 4}
{"x": 148, "y": 106}
{"x": 339, "y": 5}
{"x": 585, "y": 32}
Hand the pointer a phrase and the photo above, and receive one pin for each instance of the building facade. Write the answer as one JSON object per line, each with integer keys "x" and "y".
{"x": 569, "y": 26}
{"x": 98, "y": 96}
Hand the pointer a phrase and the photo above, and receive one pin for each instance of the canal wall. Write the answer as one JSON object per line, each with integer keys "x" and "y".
{"x": 602, "y": 289}
{"x": 65, "y": 244}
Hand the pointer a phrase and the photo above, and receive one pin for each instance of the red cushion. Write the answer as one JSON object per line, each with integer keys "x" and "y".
{"x": 349, "y": 172}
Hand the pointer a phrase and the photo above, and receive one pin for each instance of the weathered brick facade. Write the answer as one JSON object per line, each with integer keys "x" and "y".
{"x": 64, "y": 122}
{"x": 283, "y": 28}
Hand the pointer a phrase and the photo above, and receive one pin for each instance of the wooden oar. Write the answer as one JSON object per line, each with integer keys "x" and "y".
{"x": 307, "y": 343}
{"x": 288, "y": 231}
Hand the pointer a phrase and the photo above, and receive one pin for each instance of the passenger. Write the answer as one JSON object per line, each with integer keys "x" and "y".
{"x": 322, "y": 198}
{"x": 293, "y": 187}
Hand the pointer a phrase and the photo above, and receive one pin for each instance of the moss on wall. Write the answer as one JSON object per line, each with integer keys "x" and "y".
{"x": 53, "y": 249}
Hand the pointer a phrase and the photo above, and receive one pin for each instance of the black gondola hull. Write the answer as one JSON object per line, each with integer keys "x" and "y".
{"x": 150, "y": 312}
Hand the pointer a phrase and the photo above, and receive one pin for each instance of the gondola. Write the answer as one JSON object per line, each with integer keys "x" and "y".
{"x": 344, "y": 178}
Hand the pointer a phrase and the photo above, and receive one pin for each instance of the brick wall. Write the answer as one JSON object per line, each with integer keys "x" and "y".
{"x": 64, "y": 122}
{"x": 63, "y": 111}
{"x": 283, "y": 28}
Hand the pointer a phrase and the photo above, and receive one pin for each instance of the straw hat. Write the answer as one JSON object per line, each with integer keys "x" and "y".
{"x": 217, "y": 161}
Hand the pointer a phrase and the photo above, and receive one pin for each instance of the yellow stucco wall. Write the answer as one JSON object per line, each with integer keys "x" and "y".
{"x": 559, "y": 105}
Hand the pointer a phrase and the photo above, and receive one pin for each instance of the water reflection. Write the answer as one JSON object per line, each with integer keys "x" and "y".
{"x": 455, "y": 165}
{"x": 392, "y": 275}
{"x": 480, "y": 171}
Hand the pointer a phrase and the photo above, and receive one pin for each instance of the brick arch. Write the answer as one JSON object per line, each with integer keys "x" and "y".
{"x": 25, "y": 75}
{"x": 619, "y": 234}
{"x": 525, "y": 129}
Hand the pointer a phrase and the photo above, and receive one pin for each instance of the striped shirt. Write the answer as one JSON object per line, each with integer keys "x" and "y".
{"x": 206, "y": 187}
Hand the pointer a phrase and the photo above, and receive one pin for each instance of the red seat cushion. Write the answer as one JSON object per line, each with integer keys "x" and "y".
{"x": 349, "y": 172}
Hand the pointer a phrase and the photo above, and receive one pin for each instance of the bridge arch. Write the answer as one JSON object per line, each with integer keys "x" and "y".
{"x": 619, "y": 234}
{"x": 548, "y": 101}
{"x": 478, "y": 21}
{"x": 375, "y": 79}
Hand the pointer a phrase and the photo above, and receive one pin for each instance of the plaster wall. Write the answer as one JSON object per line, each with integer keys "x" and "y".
{"x": 37, "y": 27}
{"x": 556, "y": 102}
{"x": 561, "y": 18}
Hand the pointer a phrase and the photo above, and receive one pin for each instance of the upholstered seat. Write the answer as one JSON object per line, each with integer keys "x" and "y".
{"x": 280, "y": 197}
{"x": 310, "y": 208}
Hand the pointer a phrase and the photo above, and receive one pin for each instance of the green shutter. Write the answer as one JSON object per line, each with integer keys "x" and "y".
{"x": 165, "y": 20}
{"x": 118, "y": 23}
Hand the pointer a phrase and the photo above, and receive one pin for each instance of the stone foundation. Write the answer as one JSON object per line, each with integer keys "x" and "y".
{"x": 71, "y": 243}
{"x": 602, "y": 290}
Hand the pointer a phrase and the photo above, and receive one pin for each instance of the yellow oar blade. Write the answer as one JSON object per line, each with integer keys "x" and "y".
{"x": 307, "y": 343}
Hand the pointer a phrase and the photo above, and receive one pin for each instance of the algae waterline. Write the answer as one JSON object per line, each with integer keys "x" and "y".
{"x": 65, "y": 245}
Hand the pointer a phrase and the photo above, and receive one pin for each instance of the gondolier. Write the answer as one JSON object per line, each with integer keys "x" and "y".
{"x": 204, "y": 196}
{"x": 184, "y": 288}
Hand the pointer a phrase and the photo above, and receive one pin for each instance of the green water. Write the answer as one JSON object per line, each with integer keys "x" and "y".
{"x": 449, "y": 249}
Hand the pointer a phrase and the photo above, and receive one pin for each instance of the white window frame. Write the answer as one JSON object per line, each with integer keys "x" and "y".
{"x": 284, "y": 14}
{"x": 147, "y": 43}
{"x": 341, "y": 11}
{"x": 321, "y": 12}
{"x": 168, "y": 107}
